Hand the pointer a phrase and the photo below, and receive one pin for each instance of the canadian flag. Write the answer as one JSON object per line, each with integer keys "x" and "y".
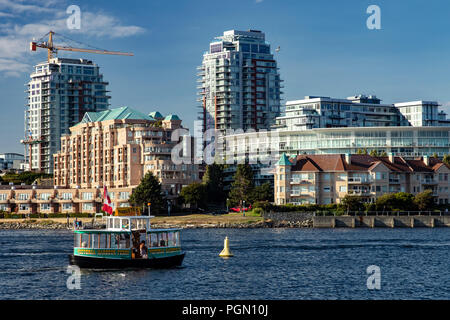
{"x": 107, "y": 206}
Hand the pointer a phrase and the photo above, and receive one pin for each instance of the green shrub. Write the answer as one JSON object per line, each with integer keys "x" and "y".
{"x": 257, "y": 211}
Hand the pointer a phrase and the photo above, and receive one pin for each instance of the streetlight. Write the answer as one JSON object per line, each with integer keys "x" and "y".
{"x": 243, "y": 207}
{"x": 226, "y": 203}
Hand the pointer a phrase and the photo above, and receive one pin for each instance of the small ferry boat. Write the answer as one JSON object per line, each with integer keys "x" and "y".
{"x": 127, "y": 242}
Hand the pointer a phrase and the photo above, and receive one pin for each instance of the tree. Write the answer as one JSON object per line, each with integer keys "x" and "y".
{"x": 396, "y": 201}
{"x": 352, "y": 203}
{"x": 213, "y": 180}
{"x": 149, "y": 191}
{"x": 263, "y": 192}
{"x": 424, "y": 200}
{"x": 194, "y": 194}
{"x": 446, "y": 159}
{"x": 242, "y": 186}
{"x": 374, "y": 153}
{"x": 361, "y": 151}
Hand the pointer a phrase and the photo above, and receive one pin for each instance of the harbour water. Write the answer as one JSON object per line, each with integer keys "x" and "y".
{"x": 267, "y": 264}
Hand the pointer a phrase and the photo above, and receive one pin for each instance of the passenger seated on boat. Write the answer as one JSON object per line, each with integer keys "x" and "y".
{"x": 162, "y": 243}
{"x": 143, "y": 250}
{"x": 136, "y": 251}
{"x": 84, "y": 244}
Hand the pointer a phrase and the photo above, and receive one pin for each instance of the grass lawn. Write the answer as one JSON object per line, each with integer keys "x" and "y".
{"x": 194, "y": 219}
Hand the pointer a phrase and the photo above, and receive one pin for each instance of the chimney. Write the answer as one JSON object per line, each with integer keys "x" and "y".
{"x": 426, "y": 160}
{"x": 348, "y": 158}
{"x": 391, "y": 157}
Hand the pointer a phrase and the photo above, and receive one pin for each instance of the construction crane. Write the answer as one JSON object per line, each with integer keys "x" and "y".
{"x": 53, "y": 49}
{"x": 31, "y": 141}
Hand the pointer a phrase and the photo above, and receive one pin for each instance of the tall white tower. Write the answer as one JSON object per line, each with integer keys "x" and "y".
{"x": 239, "y": 83}
{"x": 59, "y": 93}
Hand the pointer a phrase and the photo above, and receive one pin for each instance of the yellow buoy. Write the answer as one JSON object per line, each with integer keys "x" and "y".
{"x": 226, "y": 249}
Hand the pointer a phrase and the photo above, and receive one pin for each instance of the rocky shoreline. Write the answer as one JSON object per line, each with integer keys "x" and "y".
{"x": 52, "y": 225}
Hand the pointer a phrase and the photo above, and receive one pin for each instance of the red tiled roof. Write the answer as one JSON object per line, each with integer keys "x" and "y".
{"x": 361, "y": 162}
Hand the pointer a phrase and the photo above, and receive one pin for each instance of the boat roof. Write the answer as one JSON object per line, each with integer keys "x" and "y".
{"x": 124, "y": 231}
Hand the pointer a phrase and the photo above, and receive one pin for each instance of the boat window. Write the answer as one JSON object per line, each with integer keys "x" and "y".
{"x": 177, "y": 238}
{"x": 134, "y": 224}
{"x": 92, "y": 240}
{"x": 171, "y": 242}
{"x": 102, "y": 242}
{"x": 124, "y": 241}
{"x": 174, "y": 239}
{"x": 115, "y": 240}
{"x": 116, "y": 224}
{"x": 125, "y": 224}
{"x": 110, "y": 223}
{"x": 77, "y": 241}
{"x": 153, "y": 240}
{"x": 162, "y": 239}
{"x": 142, "y": 224}
{"x": 85, "y": 240}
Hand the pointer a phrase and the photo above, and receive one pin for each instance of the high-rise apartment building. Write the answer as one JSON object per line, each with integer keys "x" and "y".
{"x": 60, "y": 92}
{"x": 239, "y": 83}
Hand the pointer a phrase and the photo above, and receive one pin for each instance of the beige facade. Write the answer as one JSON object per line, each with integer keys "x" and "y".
{"x": 324, "y": 179}
{"x": 30, "y": 200}
{"x": 117, "y": 151}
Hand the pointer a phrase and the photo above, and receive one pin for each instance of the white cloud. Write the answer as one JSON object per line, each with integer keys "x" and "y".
{"x": 22, "y": 7}
{"x": 51, "y": 15}
{"x": 6, "y": 15}
{"x": 13, "y": 68}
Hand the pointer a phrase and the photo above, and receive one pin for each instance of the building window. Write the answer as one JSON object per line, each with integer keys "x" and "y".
{"x": 67, "y": 206}
{"x": 87, "y": 195}
{"x": 23, "y": 196}
{"x": 87, "y": 206}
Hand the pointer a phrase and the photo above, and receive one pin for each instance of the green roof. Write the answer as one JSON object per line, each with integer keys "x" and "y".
{"x": 172, "y": 117}
{"x": 284, "y": 160}
{"x": 115, "y": 114}
{"x": 156, "y": 115}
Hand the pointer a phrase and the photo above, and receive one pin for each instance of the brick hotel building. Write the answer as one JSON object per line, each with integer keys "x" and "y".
{"x": 112, "y": 148}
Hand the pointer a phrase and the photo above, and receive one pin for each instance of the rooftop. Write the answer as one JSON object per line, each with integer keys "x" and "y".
{"x": 115, "y": 114}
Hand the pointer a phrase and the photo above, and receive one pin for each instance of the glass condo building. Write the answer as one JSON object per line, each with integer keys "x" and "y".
{"x": 324, "y": 125}
{"x": 239, "y": 83}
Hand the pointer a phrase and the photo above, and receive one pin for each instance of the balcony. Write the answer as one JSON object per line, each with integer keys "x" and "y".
{"x": 301, "y": 181}
{"x": 360, "y": 192}
{"x": 359, "y": 180}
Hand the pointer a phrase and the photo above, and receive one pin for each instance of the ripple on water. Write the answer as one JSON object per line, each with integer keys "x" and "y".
{"x": 268, "y": 264}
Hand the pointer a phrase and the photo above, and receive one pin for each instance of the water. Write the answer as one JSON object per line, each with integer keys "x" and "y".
{"x": 268, "y": 264}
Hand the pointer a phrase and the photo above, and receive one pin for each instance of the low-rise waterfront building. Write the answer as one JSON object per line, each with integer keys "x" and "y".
{"x": 11, "y": 161}
{"x": 325, "y": 179}
{"x": 324, "y": 125}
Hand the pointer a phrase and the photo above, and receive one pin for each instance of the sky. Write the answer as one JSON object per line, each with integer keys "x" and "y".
{"x": 326, "y": 49}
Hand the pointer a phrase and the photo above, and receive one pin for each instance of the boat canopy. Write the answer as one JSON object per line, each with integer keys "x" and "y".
{"x": 128, "y": 223}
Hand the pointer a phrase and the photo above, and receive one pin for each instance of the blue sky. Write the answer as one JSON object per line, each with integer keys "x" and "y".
{"x": 326, "y": 49}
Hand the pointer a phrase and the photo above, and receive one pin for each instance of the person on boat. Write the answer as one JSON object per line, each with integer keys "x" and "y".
{"x": 162, "y": 243}
{"x": 136, "y": 251}
{"x": 143, "y": 250}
